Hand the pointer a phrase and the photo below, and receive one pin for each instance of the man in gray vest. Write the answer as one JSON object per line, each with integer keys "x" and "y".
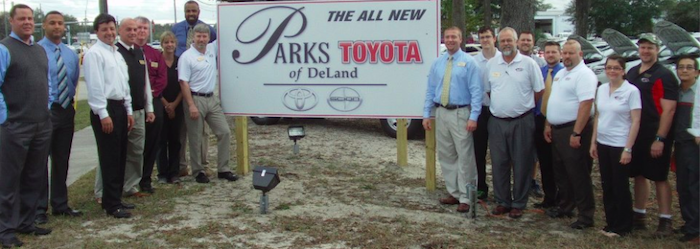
{"x": 25, "y": 124}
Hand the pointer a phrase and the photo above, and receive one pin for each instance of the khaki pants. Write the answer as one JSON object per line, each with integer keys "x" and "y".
{"x": 456, "y": 151}
{"x": 134, "y": 157}
{"x": 210, "y": 112}
{"x": 183, "y": 149}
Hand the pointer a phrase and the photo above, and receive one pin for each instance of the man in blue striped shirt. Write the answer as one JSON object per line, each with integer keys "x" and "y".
{"x": 64, "y": 72}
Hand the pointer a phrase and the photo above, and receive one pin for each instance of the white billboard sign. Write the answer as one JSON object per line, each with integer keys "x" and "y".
{"x": 366, "y": 59}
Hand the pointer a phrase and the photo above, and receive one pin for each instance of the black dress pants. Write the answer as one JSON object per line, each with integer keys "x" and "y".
{"x": 481, "y": 143}
{"x": 169, "y": 161}
{"x": 63, "y": 123}
{"x": 152, "y": 145}
{"x": 544, "y": 154}
{"x": 616, "y": 189}
{"x": 688, "y": 182}
{"x": 24, "y": 151}
{"x": 572, "y": 169}
{"x": 111, "y": 150}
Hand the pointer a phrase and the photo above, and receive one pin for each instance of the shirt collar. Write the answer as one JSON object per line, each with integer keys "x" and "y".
{"x": 31, "y": 38}
{"x": 580, "y": 65}
{"x": 109, "y": 47}
{"x": 518, "y": 58}
{"x": 126, "y": 46}
{"x": 49, "y": 44}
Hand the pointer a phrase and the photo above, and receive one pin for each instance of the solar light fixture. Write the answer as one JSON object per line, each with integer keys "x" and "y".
{"x": 265, "y": 179}
{"x": 295, "y": 133}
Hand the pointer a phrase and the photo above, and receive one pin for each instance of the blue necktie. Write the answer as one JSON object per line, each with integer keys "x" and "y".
{"x": 63, "y": 99}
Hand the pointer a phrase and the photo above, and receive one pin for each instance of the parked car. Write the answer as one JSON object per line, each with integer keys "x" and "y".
{"x": 414, "y": 127}
{"x": 156, "y": 45}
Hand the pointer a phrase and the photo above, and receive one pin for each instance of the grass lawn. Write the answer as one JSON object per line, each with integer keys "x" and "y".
{"x": 82, "y": 115}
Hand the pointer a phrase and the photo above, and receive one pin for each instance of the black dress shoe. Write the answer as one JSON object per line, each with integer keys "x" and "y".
{"x": 228, "y": 176}
{"x": 13, "y": 242}
{"x": 128, "y": 205}
{"x": 120, "y": 214}
{"x": 580, "y": 225}
{"x": 148, "y": 189}
{"x": 558, "y": 213}
{"x": 68, "y": 212}
{"x": 202, "y": 178}
{"x": 543, "y": 205}
{"x": 38, "y": 231}
{"x": 41, "y": 219}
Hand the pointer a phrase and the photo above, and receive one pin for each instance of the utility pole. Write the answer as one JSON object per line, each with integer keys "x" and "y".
{"x": 103, "y": 7}
{"x": 174, "y": 11}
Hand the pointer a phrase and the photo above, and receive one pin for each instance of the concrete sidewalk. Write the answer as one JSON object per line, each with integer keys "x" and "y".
{"x": 83, "y": 156}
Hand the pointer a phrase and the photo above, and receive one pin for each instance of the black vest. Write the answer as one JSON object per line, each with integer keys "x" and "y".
{"x": 26, "y": 83}
{"x": 137, "y": 75}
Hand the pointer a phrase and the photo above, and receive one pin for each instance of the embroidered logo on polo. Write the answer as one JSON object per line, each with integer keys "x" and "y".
{"x": 520, "y": 69}
{"x": 645, "y": 80}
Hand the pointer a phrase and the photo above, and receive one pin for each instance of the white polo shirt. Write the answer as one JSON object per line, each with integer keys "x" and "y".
{"x": 481, "y": 62}
{"x": 614, "y": 117}
{"x": 512, "y": 85}
{"x": 569, "y": 88}
{"x": 198, "y": 69}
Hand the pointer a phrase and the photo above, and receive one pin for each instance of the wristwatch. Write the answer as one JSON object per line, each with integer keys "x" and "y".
{"x": 575, "y": 134}
{"x": 660, "y": 139}
{"x": 628, "y": 150}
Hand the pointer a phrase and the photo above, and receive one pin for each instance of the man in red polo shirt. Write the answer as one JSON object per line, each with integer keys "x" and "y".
{"x": 157, "y": 74}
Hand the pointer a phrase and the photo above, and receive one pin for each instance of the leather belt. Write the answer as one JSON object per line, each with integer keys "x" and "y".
{"x": 450, "y": 107}
{"x": 202, "y": 94}
{"x": 564, "y": 125}
{"x": 518, "y": 117}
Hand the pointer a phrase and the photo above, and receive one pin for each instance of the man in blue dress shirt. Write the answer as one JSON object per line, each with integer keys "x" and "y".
{"x": 184, "y": 31}
{"x": 25, "y": 124}
{"x": 455, "y": 90}
{"x": 64, "y": 73}
{"x": 552, "y": 55}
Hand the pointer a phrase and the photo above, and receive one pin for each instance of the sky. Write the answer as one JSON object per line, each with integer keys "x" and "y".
{"x": 161, "y": 11}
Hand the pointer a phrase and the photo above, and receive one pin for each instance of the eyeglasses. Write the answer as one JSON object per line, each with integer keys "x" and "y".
{"x": 613, "y": 68}
{"x": 687, "y": 68}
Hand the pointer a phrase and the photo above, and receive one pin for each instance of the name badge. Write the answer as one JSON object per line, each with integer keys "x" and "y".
{"x": 142, "y": 62}
{"x": 461, "y": 64}
{"x": 200, "y": 58}
{"x": 154, "y": 64}
{"x": 496, "y": 74}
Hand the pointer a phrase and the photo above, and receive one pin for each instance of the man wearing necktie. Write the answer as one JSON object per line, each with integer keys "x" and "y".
{"x": 552, "y": 54}
{"x": 455, "y": 91}
{"x": 64, "y": 73}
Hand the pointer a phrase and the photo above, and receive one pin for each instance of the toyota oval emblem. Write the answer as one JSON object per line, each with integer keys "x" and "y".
{"x": 300, "y": 99}
{"x": 344, "y": 99}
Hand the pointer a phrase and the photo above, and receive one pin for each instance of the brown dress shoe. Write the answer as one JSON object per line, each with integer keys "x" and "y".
{"x": 98, "y": 200}
{"x": 665, "y": 228}
{"x": 184, "y": 172}
{"x": 139, "y": 194}
{"x": 450, "y": 200}
{"x": 463, "y": 208}
{"x": 639, "y": 221}
{"x": 515, "y": 213}
{"x": 499, "y": 210}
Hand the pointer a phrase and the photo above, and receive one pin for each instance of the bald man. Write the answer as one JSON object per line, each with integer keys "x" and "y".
{"x": 569, "y": 129}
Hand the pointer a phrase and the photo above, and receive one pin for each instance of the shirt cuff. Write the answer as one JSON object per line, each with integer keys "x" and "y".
{"x": 474, "y": 116}
{"x": 103, "y": 114}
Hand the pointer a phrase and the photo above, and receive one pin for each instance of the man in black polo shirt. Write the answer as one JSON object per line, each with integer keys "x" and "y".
{"x": 651, "y": 153}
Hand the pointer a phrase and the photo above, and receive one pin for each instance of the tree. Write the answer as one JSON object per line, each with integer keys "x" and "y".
{"x": 580, "y": 14}
{"x": 630, "y": 17}
{"x": 686, "y": 14}
{"x": 518, "y": 14}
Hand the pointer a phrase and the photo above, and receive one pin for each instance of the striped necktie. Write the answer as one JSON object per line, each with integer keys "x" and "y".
{"x": 445, "y": 96}
{"x": 63, "y": 99}
{"x": 190, "y": 37}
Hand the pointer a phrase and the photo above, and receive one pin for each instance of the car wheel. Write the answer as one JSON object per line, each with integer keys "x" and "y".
{"x": 414, "y": 127}
{"x": 265, "y": 120}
